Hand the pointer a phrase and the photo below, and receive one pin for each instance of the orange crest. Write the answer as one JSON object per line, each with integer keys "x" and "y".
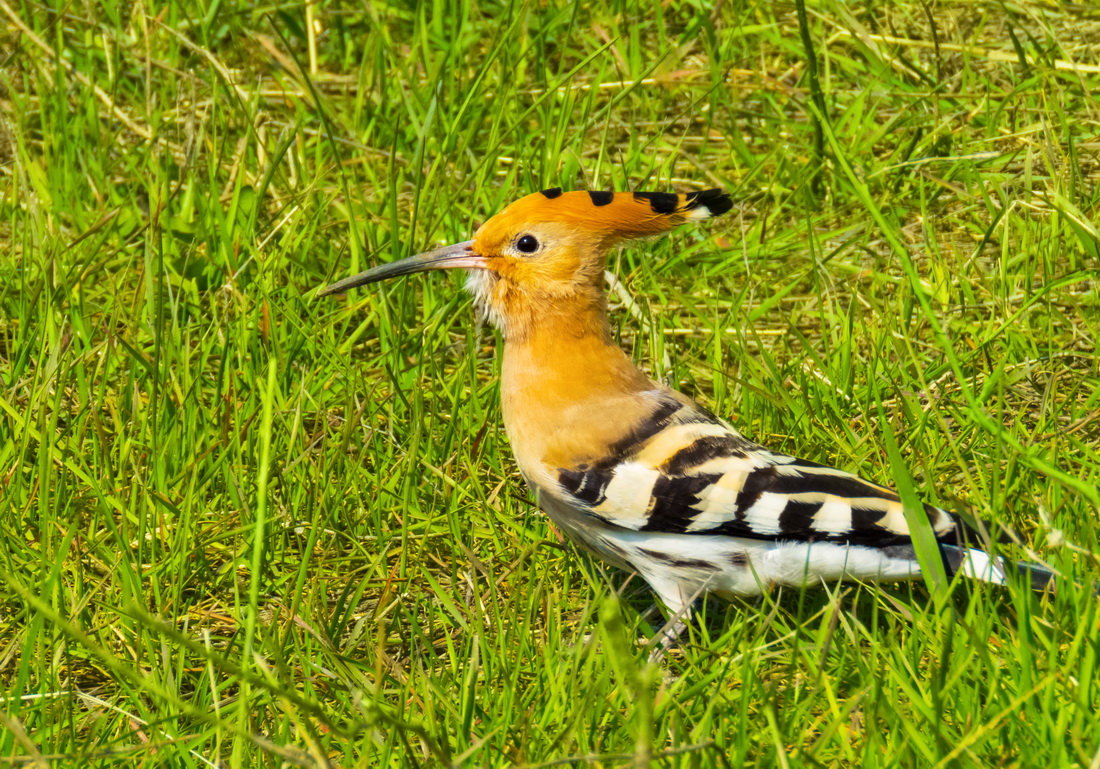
{"x": 610, "y": 216}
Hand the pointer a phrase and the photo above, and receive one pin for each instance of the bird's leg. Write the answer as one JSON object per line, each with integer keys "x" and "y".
{"x": 680, "y": 612}
{"x": 668, "y": 637}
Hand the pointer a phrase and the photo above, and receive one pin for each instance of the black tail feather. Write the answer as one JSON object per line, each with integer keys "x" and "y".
{"x": 1040, "y": 578}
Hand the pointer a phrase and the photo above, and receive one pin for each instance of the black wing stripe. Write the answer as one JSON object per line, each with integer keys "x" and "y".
{"x": 797, "y": 519}
{"x": 865, "y": 519}
{"x": 657, "y": 421}
{"x": 796, "y": 462}
{"x": 672, "y": 508}
{"x": 703, "y": 450}
{"x": 843, "y": 486}
{"x": 757, "y": 482}
{"x": 589, "y": 486}
{"x": 878, "y": 537}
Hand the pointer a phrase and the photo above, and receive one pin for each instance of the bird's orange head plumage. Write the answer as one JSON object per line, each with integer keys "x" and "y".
{"x": 548, "y": 249}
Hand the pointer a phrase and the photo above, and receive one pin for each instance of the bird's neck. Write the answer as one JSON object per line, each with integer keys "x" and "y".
{"x": 567, "y": 358}
{"x": 561, "y": 382}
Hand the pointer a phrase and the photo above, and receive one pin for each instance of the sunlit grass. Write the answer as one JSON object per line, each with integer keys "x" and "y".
{"x": 245, "y": 527}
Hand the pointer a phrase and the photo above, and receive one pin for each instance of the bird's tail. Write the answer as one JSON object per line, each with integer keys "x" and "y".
{"x": 979, "y": 565}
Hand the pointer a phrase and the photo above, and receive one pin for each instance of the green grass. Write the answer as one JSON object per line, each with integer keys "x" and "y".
{"x": 244, "y": 527}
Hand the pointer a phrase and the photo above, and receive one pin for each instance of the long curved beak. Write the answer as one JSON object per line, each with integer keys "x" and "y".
{"x": 458, "y": 255}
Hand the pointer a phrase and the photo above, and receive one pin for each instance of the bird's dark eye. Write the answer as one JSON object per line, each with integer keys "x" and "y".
{"x": 528, "y": 244}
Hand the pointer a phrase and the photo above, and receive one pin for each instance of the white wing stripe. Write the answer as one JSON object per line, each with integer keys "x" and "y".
{"x": 628, "y": 495}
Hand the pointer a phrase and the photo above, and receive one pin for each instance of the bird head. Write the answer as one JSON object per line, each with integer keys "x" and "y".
{"x": 545, "y": 253}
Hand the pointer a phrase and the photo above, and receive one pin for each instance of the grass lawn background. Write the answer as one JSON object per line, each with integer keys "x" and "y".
{"x": 243, "y": 527}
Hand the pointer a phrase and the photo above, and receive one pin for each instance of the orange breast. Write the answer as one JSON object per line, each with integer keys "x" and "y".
{"x": 566, "y": 399}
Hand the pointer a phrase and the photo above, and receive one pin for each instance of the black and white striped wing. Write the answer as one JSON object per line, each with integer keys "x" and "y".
{"x": 685, "y": 471}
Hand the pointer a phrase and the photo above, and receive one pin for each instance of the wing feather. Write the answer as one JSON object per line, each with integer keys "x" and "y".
{"x": 686, "y": 471}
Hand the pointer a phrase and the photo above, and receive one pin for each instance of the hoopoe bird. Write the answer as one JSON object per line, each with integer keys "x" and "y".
{"x": 635, "y": 472}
